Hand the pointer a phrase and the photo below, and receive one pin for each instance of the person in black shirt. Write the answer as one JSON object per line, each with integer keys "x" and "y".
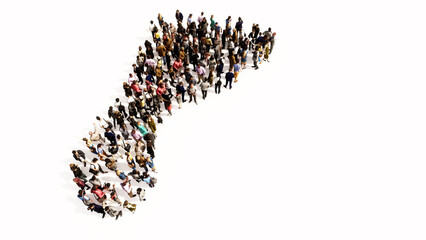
{"x": 97, "y": 208}
{"x": 180, "y": 89}
{"x": 79, "y": 156}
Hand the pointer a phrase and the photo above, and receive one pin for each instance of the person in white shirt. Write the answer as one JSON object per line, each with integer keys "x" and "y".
{"x": 151, "y": 28}
{"x": 100, "y": 123}
{"x": 131, "y": 79}
{"x": 201, "y": 17}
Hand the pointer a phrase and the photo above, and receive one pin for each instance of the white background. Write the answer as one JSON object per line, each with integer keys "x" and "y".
{"x": 325, "y": 142}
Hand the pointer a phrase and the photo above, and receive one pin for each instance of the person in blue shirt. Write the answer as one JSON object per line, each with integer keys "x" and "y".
{"x": 149, "y": 77}
{"x": 229, "y": 76}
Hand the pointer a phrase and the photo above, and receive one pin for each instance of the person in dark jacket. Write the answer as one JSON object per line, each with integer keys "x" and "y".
{"x": 180, "y": 89}
{"x": 77, "y": 172}
{"x": 229, "y": 76}
{"x": 110, "y": 135}
{"x": 127, "y": 89}
{"x": 179, "y": 16}
{"x": 217, "y": 86}
{"x": 97, "y": 208}
{"x": 79, "y": 156}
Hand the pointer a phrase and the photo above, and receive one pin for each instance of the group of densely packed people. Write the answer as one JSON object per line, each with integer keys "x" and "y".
{"x": 157, "y": 78}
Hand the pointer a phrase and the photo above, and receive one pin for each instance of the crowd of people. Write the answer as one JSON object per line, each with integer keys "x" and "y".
{"x": 190, "y": 56}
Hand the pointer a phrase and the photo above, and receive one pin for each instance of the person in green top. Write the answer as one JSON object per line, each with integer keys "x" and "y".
{"x": 142, "y": 129}
{"x": 212, "y": 22}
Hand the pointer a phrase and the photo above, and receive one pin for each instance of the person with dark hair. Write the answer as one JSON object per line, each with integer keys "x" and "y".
{"x": 97, "y": 208}
{"x": 142, "y": 162}
{"x": 135, "y": 174}
{"x": 130, "y": 161}
{"x": 77, "y": 172}
{"x": 148, "y": 180}
{"x": 229, "y": 76}
{"x": 141, "y": 194}
{"x": 102, "y": 154}
{"x": 239, "y": 26}
{"x": 95, "y": 168}
{"x": 255, "y": 58}
{"x": 136, "y": 135}
{"x": 130, "y": 206}
{"x": 113, "y": 212}
{"x": 237, "y": 68}
{"x": 114, "y": 196}
{"x": 118, "y": 106}
{"x": 95, "y": 181}
{"x": 96, "y": 136}
{"x": 79, "y": 156}
{"x": 83, "y": 197}
{"x": 179, "y": 16}
{"x": 181, "y": 90}
{"x": 217, "y": 86}
{"x": 127, "y": 89}
{"x": 98, "y": 193}
{"x": 124, "y": 132}
{"x": 111, "y": 164}
{"x": 152, "y": 28}
{"x": 110, "y": 135}
{"x": 204, "y": 87}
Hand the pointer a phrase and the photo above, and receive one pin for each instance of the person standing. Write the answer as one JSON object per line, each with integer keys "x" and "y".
{"x": 179, "y": 16}
{"x": 152, "y": 28}
{"x": 239, "y": 27}
{"x": 212, "y": 23}
{"x": 192, "y": 93}
{"x": 255, "y": 57}
{"x": 229, "y": 76}
{"x": 272, "y": 42}
{"x": 217, "y": 86}
{"x": 181, "y": 90}
{"x": 200, "y": 72}
{"x": 237, "y": 68}
{"x": 204, "y": 86}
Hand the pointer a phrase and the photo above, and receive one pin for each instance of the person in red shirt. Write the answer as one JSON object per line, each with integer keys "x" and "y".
{"x": 100, "y": 195}
{"x": 177, "y": 65}
{"x": 137, "y": 91}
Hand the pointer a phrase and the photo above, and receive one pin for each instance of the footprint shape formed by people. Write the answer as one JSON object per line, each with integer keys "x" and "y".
{"x": 121, "y": 150}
